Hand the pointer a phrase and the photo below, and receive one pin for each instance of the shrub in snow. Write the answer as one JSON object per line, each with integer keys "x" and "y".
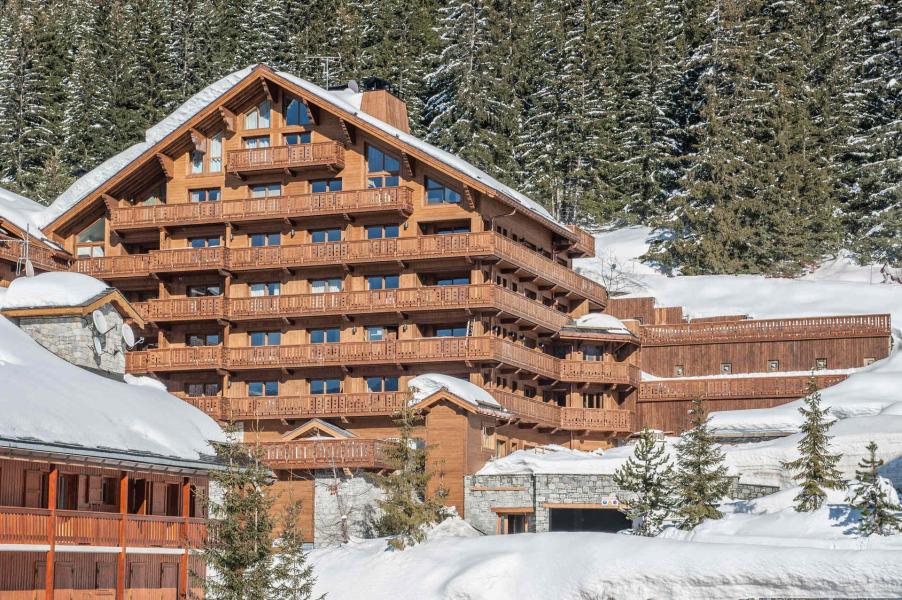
{"x": 701, "y": 476}
{"x": 648, "y": 476}
{"x": 816, "y": 467}
{"x": 407, "y": 508}
{"x": 878, "y": 505}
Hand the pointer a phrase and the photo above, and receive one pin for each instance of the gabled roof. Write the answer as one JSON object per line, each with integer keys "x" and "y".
{"x": 342, "y": 104}
{"x": 22, "y": 216}
{"x": 318, "y": 425}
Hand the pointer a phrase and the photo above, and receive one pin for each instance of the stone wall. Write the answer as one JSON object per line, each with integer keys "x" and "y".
{"x": 483, "y": 492}
{"x": 343, "y": 506}
{"x": 72, "y": 339}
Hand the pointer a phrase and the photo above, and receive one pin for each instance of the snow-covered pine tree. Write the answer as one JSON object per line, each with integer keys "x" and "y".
{"x": 649, "y": 478}
{"x": 701, "y": 476}
{"x": 407, "y": 507}
{"x": 816, "y": 466}
{"x": 292, "y": 576}
{"x": 878, "y": 514}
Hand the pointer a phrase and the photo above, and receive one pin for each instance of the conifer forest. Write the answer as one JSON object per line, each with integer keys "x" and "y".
{"x": 765, "y": 134}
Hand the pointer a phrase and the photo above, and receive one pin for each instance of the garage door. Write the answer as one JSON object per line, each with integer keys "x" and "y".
{"x": 588, "y": 519}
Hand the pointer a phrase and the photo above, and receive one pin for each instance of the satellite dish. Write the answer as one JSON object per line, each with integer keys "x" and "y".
{"x": 128, "y": 336}
{"x": 29, "y": 268}
{"x": 100, "y": 323}
{"x": 352, "y": 85}
{"x": 98, "y": 346}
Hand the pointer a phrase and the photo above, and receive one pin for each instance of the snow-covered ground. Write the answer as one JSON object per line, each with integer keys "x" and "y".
{"x": 455, "y": 564}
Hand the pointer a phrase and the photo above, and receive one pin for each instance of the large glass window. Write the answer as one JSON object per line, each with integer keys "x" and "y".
{"x": 379, "y": 333}
{"x": 204, "y": 242}
{"x": 258, "y": 117}
{"x": 262, "y": 388}
{"x": 202, "y": 389}
{"x": 259, "y": 240}
{"x": 199, "y": 291}
{"x": 383, "y": 282}
{"x": 321, "y": 236}
{"x": 323, "y": 286}
{"x": 318, "y": 186}
{"x": 453, "y": 281}
{"x": 325, "y": 386}
{"x": 451, "y": 331}
{"x": 268, "y": 288}
{"x": 265, "y": 338}
{"x": 292, "y": 139}
{"x": 202, "y": 339}
{"x": 260, "y": 141}
{"x": 451, "y": 229}
{"x": 197, "y": 162}
{"x": 296, "y": 112}
{"x": 266, "y": 190}
{"x": 208, "y": 195}
{"x": 89, "y": 243}
{"x": 330, "y": 335}
{"x": 383, "y": 169}
{"x": 439, "y": 193}
{"x": 216, "y": 153}
{"x": 382, "y": 384}
{"x": 375, "y": 232}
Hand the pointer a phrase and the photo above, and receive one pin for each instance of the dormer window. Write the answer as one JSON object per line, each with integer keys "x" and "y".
{"x": 296, "y": 113}
{"x": 258, "y": 117}
{"x": 439, "y": 193}
{"x": 383, "y": 169}
{"x": 89, "y": 243}
{"x": 208, "y": 158}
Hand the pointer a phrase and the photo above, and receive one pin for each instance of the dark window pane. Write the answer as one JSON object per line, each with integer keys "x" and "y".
{"x": 392, "y": 281}
{"x": 271, "y": 388}
{"x": 258, "y": 338}
{"x": 392, "y": 181}
{"x": 374, "y": 232}
{"x": 374, "y": 159}
{"x": 332, "y": 335}
{"x": 318, "y": 186}
{"x": 391, "y": 384}
{"x": 391, "y": 164}
{"x": 375, "y": 282}
{"x": 255, "y": 388}
{"x": 374, "y": 384}
{"x": 275, "y": 239}
{"x": 391, "y": 231}
{"x": 317, "y": 386}
{"x": 258, "y": 240}
{"x": 333, "y": 386}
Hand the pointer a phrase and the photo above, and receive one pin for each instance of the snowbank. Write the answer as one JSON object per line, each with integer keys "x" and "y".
{"x": 607, "y": 322}
{"x": 596, "y": 566}
{"x": 553, "y": 459}
{"x": 52, "y": 289}
{"x": 46, "y": 399}
{"x": 22, "y": 212}
{"x": 425, "y": 385}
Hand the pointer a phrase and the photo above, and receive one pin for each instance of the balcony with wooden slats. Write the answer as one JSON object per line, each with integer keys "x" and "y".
{"x": 329, "y": 155}
{"x": 783, "y": 386}
{"x": 114, "y": 267}
{"x": 325, "y": 454}
{"x": 188, "y": 259}
{"x": 351, "y": 202}
{"x": 182, "y": 309}
{"x": 598, "y": 419}
{"x": 585, "y": 243}
{"x": 41, "y": 257}
{"x": 599, "y": 371}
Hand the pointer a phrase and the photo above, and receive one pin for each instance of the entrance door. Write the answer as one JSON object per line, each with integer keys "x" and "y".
{"x": 588, "y": 519}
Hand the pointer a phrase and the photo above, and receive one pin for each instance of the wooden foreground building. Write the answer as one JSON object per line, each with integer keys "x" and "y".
{"x": 299, "y": 258}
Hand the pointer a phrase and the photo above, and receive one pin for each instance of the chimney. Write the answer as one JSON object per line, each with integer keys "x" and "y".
{"x": 379, "y": 101}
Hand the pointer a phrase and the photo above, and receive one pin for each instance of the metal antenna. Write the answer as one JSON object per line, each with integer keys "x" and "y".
{"x": 327, "y": 66}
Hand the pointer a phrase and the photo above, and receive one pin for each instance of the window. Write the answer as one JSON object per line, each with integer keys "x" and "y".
{"x": 319, "y": 186}
{"x": 265, "y": 338}
{"x": 678, "y": 370}
{"x": 67, "y": 491}
{"x": 253, "y": 143}
{"x": 109, "y": 491}
{"x": 258, "y": 117}
{"x": 199, "y": 291}
{"x": 208, "y": 195}
{"x": 383, "y": 282}
{"x": 292, "y": 139}
{"x": 296, "y": 112}
{"x": 773, "y": 365}
{"x": 510, "y": 524}
{"x": 383, "y": 168}
{"x": 89, "y": 243}
{"x": 266, "y": 190}
{"x": 323, "y": 286}
{"x": 259, "y": 240}
{"x": 202, "y": 339}
{"x": 451, "y": 229}
{"x": 203, "y": 242}
{"x": 454, "y": 281}
{"x": 202, "y": 389}
{"x": 591, "y": 400}
{"x": 216, "y": 153}
{"x": 321, "y": 236}
{"x": 726, "y": 368}
{"x": 869, "y": 361}
{"x": 197, "y": 162}
{"x": 325, "y": 336}
{"x": 820, "y": 364}
{"x": 269, "y": 288}
{"x": 263, "y": 388}
{"x": 438, "y": 193}
{"x": 325, "y": 386}
{"x": 382, "y": 384}
{"x": 592, "y": 353}
{"x": 378, "y": 333}
{"x": 375, "y": 232}
{"x": 451, "y": 331}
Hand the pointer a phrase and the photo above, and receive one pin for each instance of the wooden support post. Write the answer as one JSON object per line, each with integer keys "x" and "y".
{"x": 52, "y": 485}
{"x": 123, "y": 515}
{"x": 184, "y": 583}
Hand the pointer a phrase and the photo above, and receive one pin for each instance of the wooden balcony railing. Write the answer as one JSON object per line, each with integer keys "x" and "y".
{"x": 766, "y": 329}
{"x": 300, "y": 407}
{"x": 600, "y": 372}
{"x": 12, "y": 249}
{"x": 20, "y": 525}
{"x": 188, "y": 259}
{"x": 586, "y": 242}
{"x": 175, "y": 359}
{"x": 182, "y": 309}
{"x": 733, "y": 387}
{"x": 598, "y": 419}
{"x": 396, "y": 199}
{"x": 113, "y": 267}
{"x": 529, "y": 409}
{"x": 324, "y": 454}
{"x": 275, "y": 158}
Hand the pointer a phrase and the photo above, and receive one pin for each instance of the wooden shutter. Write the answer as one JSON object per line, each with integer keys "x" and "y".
{"x": 169, "y": 576}
{"x": 63, "y": 581}
{"x": 106, "y": 576}
{"x": 33, "y": 487}
{"x": 137, "y": 575}
{"x": 40, "y": 575}
{"x": 95, "y": 489}
{"x": 158, "y": 498}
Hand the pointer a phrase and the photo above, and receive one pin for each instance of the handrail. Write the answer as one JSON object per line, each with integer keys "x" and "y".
{"x": 13, "y": 249}
{"x": 322, "y": 454}
{"x": 298, "y": 155}
{"x": 733, "y": 387}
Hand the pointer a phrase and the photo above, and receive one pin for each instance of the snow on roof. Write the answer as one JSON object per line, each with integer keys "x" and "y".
{"x": 607, "y": 322}
{"x": 53, "y": 289}
{"x": 22, "y": 212}
{"x": 46, "y": 399}
{"x": 552, "y": 459}
{"x": 423, "y": 386}
{"x": 345, "y": 100}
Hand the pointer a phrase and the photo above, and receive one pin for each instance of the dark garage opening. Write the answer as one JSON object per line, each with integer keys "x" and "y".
{"x": 588, "y": 519}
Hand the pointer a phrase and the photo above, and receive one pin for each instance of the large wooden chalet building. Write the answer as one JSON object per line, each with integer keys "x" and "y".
{"x": 299, "y": 258}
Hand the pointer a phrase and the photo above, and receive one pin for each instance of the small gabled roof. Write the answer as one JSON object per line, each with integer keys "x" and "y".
{"x": 332, "y": 431}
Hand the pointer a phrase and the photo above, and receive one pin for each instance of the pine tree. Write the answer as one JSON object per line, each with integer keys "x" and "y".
{"x": 816, "y": 467}
{"x": 701, "y": 476}
{"x": 878, "y": 514}
{"x": 293, "y": 577}
{"x": 407, "y": 508}
{"x": 648, "y": 477}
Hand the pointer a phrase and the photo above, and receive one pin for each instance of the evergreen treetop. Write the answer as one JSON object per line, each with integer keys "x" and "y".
{"x": 648, "y": 477}
{"x": 878, "y": 513}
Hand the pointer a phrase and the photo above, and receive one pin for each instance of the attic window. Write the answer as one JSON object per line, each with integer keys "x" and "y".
{"x": 296, "y": 113}
{"x": 89, "y": 243}
{"x": 258, "y": 117}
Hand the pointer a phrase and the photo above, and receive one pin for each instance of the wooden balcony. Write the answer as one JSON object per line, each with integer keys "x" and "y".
{"x": 597, "y": 371}
{"x": 733, "y": 387}
{"x": 763, "y": 330}
{"x": 598, "y": 419}
{"x": 585, "y": 243}
{"x": 20, "y": 525}
{"x": 300, "y": 407}
{"x": 114, "y": 267}
{"x": 328, "y": 155}
{"x": 41, "y": 257}
{"x": 529, "y": 410}
{"x": 188, "y": 259}
{"x": 350, "y": 202}
{"x": 326, "y": 454}
{"x": 175, "y": 359}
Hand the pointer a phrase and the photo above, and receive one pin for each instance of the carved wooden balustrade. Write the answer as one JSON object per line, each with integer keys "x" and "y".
{"x": 598, "y": 419}
{"x": 585, "y": 242}
{"x": 323, "y": 454}
{"x": 733, "y": 387}
{"x": 183, "y": 309}
{"x": 188, "y": 259}
{"x": 765, "y": 330}
{"x": 277, "y": 158}
{"x": 12, "y": 249}
{"x": 253, "y": 209}
{"x": 114, "y": 267}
